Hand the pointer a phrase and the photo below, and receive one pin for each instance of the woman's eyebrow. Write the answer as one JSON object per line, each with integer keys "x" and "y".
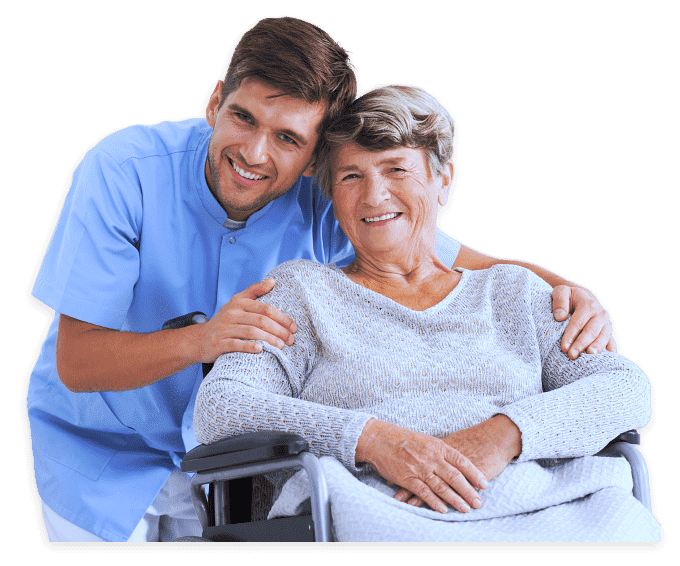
{"x": 344, "y": 168}
{"x": 392, "y": 161}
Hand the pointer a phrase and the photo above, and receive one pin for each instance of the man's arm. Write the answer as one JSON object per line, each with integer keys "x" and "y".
{"x": 94, "y": 358}
{"x": 589, "y": 328}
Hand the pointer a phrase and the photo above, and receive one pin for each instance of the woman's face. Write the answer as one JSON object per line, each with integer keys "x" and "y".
{"x": 387, "y": 200}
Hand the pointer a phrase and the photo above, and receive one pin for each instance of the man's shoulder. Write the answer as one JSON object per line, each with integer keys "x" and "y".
{"x": 163, "y": 139}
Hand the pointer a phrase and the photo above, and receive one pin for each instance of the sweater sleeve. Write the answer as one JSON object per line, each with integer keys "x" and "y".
{"x": 253, "y": 392}
{"x": 585, "y": 402}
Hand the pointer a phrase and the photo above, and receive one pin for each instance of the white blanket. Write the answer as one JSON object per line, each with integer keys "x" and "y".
{"x": 585, "y": 499}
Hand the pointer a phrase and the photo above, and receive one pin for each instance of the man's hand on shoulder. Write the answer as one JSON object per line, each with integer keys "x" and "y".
{"x": 94, "y": 358}
{"x": 589, "y": 329}
{"x": 241, "y": 321}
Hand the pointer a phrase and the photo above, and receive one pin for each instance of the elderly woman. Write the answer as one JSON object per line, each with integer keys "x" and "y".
{"x": 426, "y": 384}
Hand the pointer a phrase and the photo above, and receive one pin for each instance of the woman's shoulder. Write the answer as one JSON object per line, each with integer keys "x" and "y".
{"x": 301, "y": 269}
{"x": 302, "y": 283}
{"x": 508, "y": 276}
{"x": 307, "y": 276}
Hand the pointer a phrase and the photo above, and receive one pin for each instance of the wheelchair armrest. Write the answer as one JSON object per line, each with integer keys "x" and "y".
{"x": 248, "y": 448}
{"x": 185, "y": 320}
{"x": 630, "y": 436}
{"x": 251, "y": 454}
{"x": 624, "y": 446}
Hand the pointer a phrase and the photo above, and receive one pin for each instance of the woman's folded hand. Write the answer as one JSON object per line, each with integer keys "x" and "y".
{"x": 424, "y": 465}
{"x": 490, "y": 446}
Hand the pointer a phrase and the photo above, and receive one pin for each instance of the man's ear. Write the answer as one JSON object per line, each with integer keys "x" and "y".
{"x": 446, "y": 180}
{"x": 213, "y": 103}
{"x": 311, "y": 168}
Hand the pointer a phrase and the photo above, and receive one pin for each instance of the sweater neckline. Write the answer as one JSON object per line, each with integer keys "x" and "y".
{"x": 444, "y": 303}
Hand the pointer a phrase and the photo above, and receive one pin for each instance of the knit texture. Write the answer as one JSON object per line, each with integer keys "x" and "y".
{"x": 491, "y": 346}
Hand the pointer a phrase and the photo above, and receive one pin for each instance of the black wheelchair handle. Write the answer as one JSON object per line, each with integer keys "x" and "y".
{"x": 185, "y": 320}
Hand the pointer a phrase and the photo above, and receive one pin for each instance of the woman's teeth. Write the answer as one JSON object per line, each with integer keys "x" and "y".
{"x": 380, "y": 218}
{"x": 245, "y": 174}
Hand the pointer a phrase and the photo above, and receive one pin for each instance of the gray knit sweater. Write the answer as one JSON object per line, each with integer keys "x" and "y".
{"x": 491, "y": 346}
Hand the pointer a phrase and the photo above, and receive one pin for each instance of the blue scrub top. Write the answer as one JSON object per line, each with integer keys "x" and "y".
{"x": 141, "y": 240}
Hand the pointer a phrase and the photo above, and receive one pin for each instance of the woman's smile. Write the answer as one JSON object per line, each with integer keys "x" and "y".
{"x": 381, "y": 220}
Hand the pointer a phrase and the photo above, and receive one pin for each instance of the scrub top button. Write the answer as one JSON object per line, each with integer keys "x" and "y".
{"x": 232, "y": 240}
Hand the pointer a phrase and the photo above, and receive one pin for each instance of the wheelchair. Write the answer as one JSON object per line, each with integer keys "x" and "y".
{"x": 221, "y": 488}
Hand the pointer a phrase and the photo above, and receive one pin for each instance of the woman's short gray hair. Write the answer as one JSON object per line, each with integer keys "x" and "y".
{"x": 387, "y": 118}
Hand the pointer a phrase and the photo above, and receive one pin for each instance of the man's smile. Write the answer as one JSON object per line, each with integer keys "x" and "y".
{"x": 245, "y": 174}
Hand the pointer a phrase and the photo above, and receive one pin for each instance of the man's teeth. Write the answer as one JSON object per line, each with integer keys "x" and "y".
{"x": 380, "y": 218}
{"x": 245, "y": 174}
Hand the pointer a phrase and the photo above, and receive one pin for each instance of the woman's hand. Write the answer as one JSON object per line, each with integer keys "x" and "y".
{"x": 490, "y": 446}
{"x": 422, "y": 464}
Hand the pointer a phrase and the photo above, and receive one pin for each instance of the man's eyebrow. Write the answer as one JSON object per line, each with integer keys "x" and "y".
{"x": 286, "y": 131}
{"x": 236, "y": 108}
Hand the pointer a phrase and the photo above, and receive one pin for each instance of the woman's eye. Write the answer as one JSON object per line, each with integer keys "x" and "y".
{"x": 350, "y": 177}
{"x": 396, "y": 170}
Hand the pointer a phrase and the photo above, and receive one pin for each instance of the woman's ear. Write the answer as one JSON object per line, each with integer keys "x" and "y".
{"x": 213, "y": 103}
{"x": 446, "y": 180}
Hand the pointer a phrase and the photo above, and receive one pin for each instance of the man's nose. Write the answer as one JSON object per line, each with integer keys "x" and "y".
{"x": 375, "y": 191}
{"x": 254, "y": 150}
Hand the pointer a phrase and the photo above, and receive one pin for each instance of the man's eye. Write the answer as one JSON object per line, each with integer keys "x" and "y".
{"x": 287, "y": 139}
{"x": 243, "y": 117}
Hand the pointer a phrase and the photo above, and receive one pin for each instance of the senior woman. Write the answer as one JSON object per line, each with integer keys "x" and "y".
{"x": 415, "y": 379}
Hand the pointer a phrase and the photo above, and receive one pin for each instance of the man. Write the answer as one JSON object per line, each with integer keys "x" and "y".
{"x": 182, "y": 217}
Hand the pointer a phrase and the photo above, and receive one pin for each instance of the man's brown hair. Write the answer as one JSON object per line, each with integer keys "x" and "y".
{"x": 297, "y": 58}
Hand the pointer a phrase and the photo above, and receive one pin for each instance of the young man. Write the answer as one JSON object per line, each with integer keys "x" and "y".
{"x": 175, "y": 218}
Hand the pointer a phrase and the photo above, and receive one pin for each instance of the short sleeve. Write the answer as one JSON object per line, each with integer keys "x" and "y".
{"x": 447, "y": 248}
{"x": 92, "y": 262}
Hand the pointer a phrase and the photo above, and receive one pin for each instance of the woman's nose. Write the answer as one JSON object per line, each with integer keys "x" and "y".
{"x": 375, "y": 191}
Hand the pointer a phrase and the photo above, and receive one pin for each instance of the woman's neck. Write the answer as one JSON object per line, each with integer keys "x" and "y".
{"x": 417, "y": 285}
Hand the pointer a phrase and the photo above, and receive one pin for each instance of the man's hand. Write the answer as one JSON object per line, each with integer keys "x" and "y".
{"x": 490, "y": 446}
{"x": 589, "y": 328}
{"x": 94, "y": 358}
{"x": 421, "y": 464}
{"x": 242, "y": 320}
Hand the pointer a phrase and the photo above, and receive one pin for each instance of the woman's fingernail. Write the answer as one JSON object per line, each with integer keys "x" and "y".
{"x": 573, "y": 353}
{"x": 464, "y": 508}
{"x": 483, "y": 484}
{"x": 477, "y": 503}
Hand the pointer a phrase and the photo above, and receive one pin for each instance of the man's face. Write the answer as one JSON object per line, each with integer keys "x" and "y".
{"x": 262, "y": 141}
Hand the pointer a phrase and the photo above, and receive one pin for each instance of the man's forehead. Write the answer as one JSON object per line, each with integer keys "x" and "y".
{"x": 259, "y": 89}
